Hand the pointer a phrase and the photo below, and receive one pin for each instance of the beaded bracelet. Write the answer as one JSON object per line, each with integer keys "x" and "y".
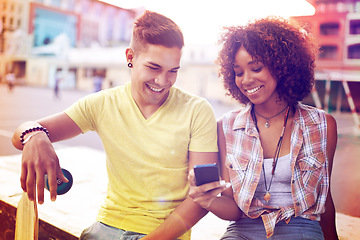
{"x": 26, "y": 139}
{"x": 34, "y": 129}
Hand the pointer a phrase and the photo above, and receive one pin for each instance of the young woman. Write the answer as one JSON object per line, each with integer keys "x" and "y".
{"x": 276, "y": 152}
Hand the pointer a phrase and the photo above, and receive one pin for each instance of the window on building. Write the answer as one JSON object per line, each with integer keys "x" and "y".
{"x": 48, "y": 24}
{"x": 328, "y": 52}
{"x": 354, "y": 51}
{"x": 88, "y": 72}
{"x": 355, "y": 26}
{"x": 357, "y": 6}
{"x": 123, "y": 23}
{"x": 329, "y": 29}
{"x": 110, "y": 24}
{"x": 343, "y": 7}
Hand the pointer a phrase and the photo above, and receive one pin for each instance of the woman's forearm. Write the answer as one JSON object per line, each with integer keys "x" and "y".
{"x": 225, "y": 208}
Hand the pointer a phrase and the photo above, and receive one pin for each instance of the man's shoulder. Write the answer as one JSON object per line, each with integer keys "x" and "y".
{"x": 189, "y": 103}
{"x": 115, "y": 92}
{"x": 181, "y": 94}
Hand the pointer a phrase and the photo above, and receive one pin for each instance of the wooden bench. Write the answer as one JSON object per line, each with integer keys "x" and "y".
{"x": 72, "y": 212}
{"x": 46, "y": 230}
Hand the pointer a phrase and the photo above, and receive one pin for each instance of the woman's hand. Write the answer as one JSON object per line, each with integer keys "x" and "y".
{"x": 206, "y": 193}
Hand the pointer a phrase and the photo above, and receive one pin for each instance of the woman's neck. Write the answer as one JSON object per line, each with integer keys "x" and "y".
{"x": 268, "y": 110}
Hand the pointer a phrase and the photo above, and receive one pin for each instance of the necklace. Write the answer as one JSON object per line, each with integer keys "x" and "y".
{"x": 276, "y": 157}
{"x": 267, "y": 124}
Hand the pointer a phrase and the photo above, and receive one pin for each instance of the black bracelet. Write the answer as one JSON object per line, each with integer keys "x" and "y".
{"x": 34, "y": 129}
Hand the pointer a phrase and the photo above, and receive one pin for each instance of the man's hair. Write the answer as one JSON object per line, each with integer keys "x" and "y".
{"x": 154, "y": 28}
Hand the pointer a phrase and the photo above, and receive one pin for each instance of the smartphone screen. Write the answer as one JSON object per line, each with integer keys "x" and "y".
{"x": 206, "y": 173}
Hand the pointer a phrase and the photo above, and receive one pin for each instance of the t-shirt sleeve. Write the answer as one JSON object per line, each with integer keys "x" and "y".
{"x": 204, "y": 129}
{"x": 84, "y": 112}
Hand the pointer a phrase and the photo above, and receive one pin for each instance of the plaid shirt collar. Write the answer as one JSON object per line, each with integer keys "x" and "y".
{"x": 244, "y": 119}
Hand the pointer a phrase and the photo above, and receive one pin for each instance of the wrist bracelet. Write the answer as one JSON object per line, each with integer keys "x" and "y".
{"x": 27, "y": 139}
{"x": 34, "y": 129}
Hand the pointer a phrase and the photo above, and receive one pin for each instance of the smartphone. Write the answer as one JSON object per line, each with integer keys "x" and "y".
{"x": 206, "y": 173}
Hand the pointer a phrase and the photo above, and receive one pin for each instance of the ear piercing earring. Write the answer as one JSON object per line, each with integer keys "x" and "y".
{"x": 130, "y": 65}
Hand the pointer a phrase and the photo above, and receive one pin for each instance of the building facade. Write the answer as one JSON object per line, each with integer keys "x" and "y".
{"x": 40, "y": 40}
{"x": 336, "y": 26}
{"x": 77, "y": 41}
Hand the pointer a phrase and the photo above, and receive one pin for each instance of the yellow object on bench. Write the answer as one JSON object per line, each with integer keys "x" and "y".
{"x": 27, "y": 222}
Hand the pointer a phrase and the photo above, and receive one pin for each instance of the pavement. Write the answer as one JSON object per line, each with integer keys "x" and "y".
{"x": 74, "y": 212}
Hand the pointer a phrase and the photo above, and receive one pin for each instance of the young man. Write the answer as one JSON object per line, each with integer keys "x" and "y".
{"x": 152, "y": 133}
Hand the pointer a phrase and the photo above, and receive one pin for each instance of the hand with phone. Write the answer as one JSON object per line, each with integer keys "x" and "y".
{"x": 205, "y": 184}
{"x": 206, "y": 173}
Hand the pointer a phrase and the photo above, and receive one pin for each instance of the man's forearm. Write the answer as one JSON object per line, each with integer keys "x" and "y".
{"x": 16, "y": 137}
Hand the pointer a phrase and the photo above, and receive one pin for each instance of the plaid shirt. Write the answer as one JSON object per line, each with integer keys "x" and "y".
{"x": 309, "y": 166}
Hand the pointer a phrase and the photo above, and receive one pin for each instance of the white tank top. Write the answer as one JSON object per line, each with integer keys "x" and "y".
{"x": 281, "y": 184}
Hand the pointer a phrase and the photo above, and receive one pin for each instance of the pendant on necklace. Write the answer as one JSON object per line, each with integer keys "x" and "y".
{"x": 267, "y": 196}
{"x": 267, "y": 124}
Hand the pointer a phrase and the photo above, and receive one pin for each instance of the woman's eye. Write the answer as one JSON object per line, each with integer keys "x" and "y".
{"x": 258, "y": 69}
{"x": 239, "y": 74}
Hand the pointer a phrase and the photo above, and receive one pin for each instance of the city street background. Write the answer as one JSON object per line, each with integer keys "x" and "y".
{"x": 76, "y": 44}
{"x": 26, "y": 103}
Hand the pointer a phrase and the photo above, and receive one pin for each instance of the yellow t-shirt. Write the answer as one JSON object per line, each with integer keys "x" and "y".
{"x": 147, "y": 159}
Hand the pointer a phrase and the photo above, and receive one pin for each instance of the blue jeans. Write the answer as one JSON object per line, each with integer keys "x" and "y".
{"x": 253, "y": 229}
{"x": 100, "y": 231}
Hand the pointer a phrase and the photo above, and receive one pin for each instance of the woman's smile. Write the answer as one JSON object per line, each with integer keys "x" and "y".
{"x": 253, "y": 90}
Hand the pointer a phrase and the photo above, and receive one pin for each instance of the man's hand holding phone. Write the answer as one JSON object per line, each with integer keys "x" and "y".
{"x": 205, "y": 184}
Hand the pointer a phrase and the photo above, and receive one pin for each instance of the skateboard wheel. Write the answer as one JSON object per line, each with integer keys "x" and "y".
{"x": 62, "y": 187}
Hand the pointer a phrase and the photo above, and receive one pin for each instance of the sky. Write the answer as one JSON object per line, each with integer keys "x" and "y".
{"x": 201, "y": 20}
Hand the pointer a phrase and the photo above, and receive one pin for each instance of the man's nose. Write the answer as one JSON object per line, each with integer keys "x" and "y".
{"x": 161, "y": 79}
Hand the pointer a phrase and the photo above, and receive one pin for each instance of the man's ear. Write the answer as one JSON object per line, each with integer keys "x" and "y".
{"x": 129, "y": 54}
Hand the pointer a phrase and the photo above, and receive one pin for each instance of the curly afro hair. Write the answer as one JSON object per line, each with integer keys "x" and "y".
{"x": 284, "y": 47}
